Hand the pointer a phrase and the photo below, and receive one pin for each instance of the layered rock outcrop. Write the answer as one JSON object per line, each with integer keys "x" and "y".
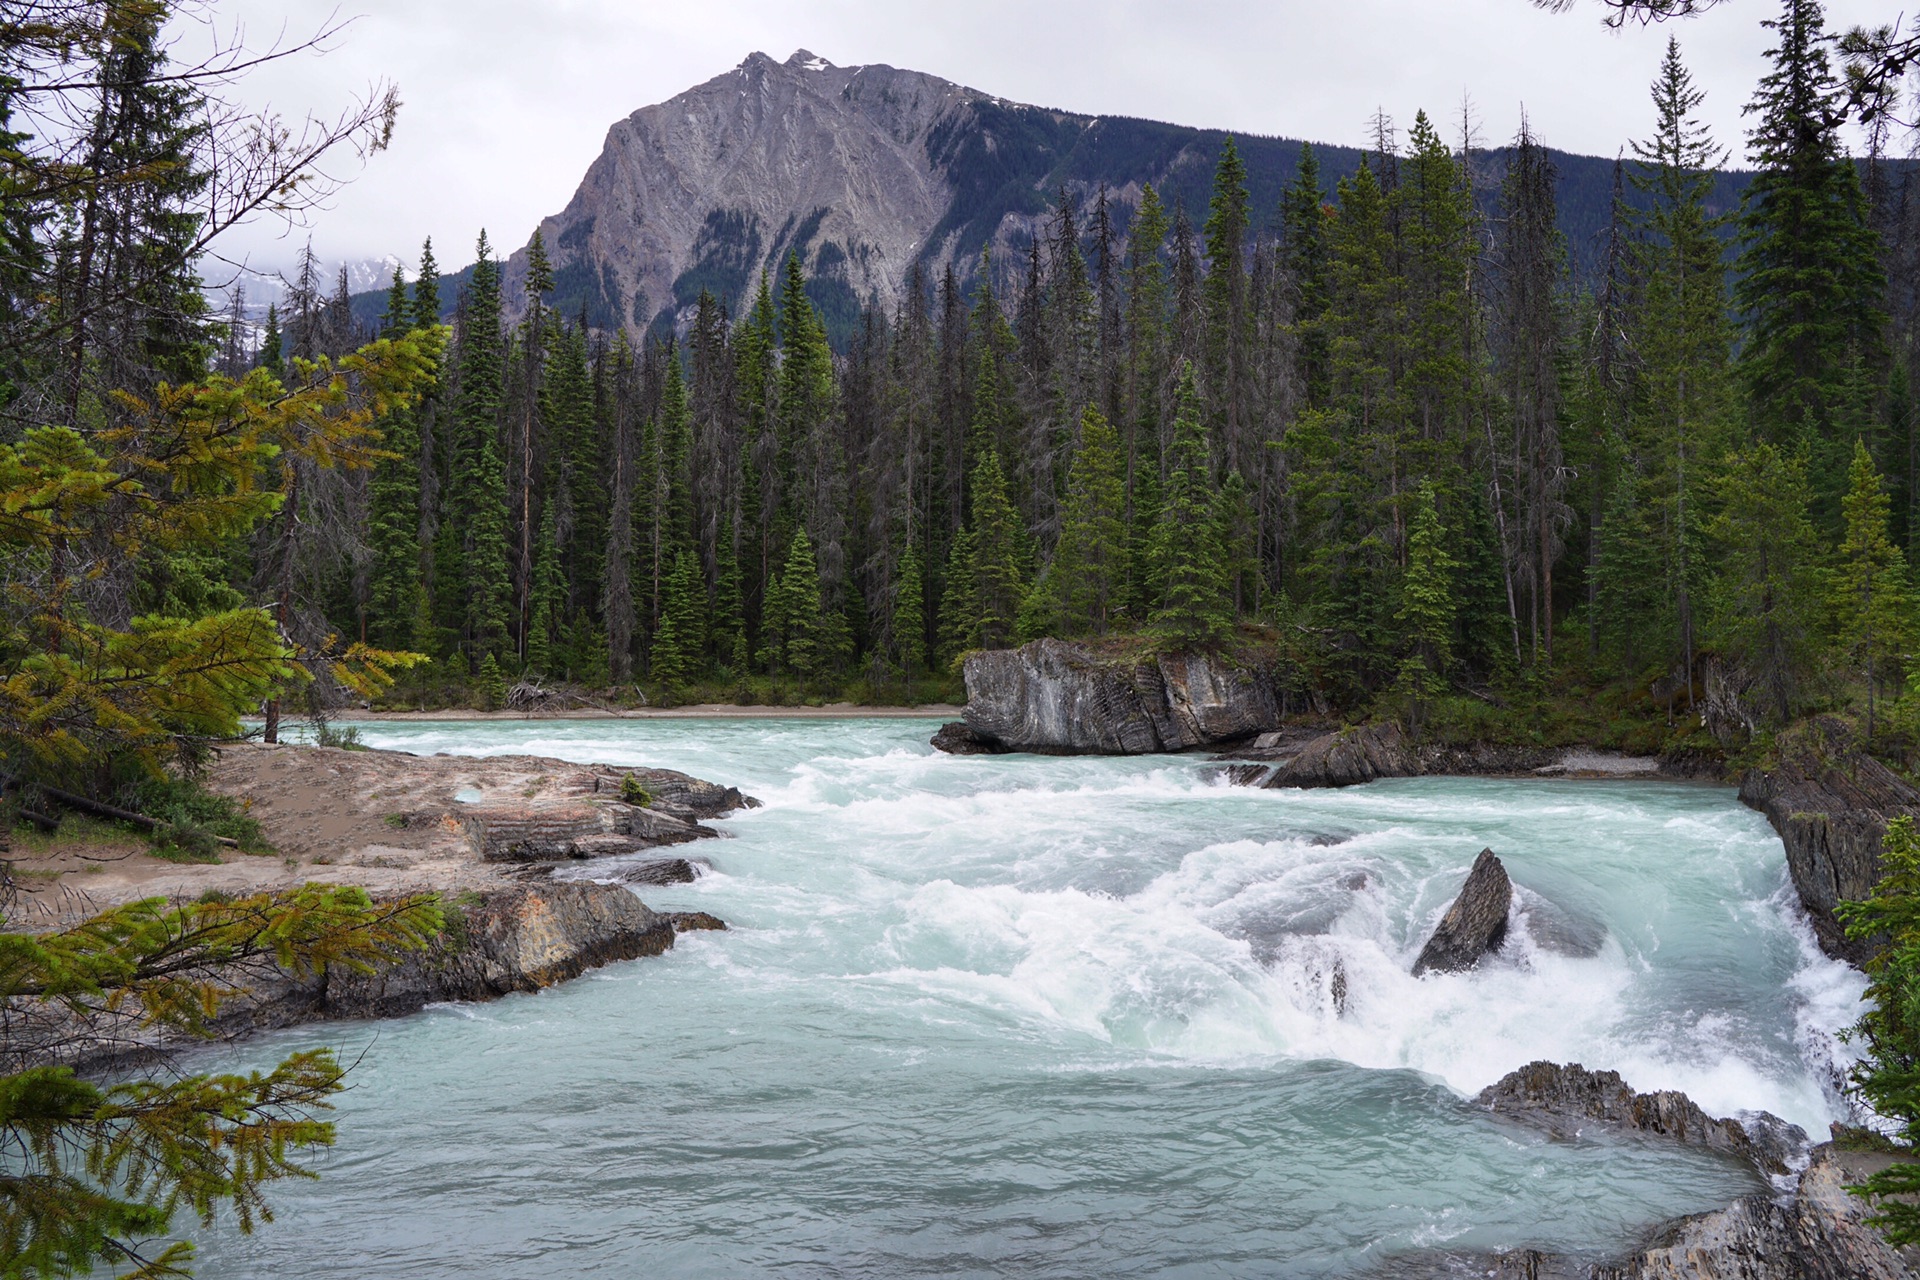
{"x": 1476, "y": 923}
{"x": 1831, "y": 803}
{"x": 1054, "y": 697}
{"x": 1569, "y": 1100}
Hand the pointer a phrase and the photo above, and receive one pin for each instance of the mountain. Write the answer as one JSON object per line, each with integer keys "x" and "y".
{"x": 865, "y": 171}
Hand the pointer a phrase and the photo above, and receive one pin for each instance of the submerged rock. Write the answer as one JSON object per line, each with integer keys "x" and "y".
{"x": 690, "y": 921}
{"x": 1063, "y": 699}
{"x": 1553, "y": 928}
{"x": 1475, "y": 924}
{"x": 1566, "y": 1100}
{"x": 956, "y": 738}
{"x": 663, "y": 871}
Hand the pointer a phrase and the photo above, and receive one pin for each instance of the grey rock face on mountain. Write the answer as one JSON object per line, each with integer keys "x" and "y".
{"x": 1474, "y": 925}
{"x": 836, "y": 164}
{"x": 1062, "y": 699}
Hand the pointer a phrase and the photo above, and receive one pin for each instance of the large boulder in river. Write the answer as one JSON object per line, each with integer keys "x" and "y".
{"x": 1475, "y": 924}
{"x": 1349, "y": 757}
{"x": 1064, "y": 699}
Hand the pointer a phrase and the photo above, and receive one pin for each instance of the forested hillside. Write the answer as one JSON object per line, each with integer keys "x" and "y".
{"x": 1377, "y": 428}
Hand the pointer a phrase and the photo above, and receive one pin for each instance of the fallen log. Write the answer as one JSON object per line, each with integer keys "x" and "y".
{"x": 102, "y": 810}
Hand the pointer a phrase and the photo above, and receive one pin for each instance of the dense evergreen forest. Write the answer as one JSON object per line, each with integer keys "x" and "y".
{"x": 1380, "y": 435}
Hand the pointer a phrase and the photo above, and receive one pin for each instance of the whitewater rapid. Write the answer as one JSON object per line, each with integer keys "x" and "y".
{"x": 1022, "y": 1015}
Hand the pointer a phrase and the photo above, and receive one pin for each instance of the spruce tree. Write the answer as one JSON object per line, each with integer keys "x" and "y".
{"x": 801, "y": 579}
{"x": 1087, "y": 580}
{"x": 395, "y": 605}
{"x": 271, "y": 357}
{"x": 681, "y": 638}
{"x": 998, "y": 554}
{"x": 474, "y": 518}
{"x": 1765, "y": 599}
{"x": 1193, "y": 609}
{"x": 909, "y": 619}
{"x": 547, "y": 609}
{"x": 729, "y": 629}
{"x": 1427, "y": 607}
{"x": 1303, "y": 257}
{"x": 1871, "y": 595}
{"x": 1680, "y": 334}
{"x": 959, "y": 600}
{"x": 1808, "y": 278}
{"x": 1228, "y": 393}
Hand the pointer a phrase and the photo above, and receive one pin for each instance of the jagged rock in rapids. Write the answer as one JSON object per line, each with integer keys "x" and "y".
{"x": 1062, "y": 699}
{"x": 1831, "y": 803}
{"x": 1475, "y": 924}
{"x": 1566, "y": 1100}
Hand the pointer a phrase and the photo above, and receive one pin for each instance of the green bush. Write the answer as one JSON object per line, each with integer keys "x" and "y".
{"x": 634, "y": 794}
{"x": 1888, "y": 1079}
{"x": 347, "y": 739}
{"x": 184, "y": 805}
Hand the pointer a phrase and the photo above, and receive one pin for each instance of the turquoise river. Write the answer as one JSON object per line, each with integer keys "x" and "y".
{"x": 1025, "y": 1016}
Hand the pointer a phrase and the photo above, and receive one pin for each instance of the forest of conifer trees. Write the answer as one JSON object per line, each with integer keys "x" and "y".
{"x": 1380, "y": 436}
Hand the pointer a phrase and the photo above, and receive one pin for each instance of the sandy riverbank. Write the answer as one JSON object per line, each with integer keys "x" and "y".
{"x": 389, "y": 822}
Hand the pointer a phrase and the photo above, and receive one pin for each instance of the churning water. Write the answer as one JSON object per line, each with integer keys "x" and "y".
{"x": 1071, "y": 1017}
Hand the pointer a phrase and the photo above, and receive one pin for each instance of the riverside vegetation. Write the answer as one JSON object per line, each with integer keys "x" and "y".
{"x": 1378, "y": 439}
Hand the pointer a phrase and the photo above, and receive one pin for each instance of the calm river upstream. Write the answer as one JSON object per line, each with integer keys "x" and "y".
{"x": 1035, "y": 1016}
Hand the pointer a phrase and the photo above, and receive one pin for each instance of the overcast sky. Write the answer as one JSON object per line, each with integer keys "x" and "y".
{"x": 508, "y": 102}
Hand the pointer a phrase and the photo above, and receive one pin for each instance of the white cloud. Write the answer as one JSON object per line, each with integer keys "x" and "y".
{"x": 508, "y": 103}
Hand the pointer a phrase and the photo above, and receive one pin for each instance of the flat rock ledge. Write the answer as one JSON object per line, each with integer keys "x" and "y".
{"x": 1057, "y": 698}
{"x": 1475, "y": 925}
{"x": 523, "y": 938}
{"x": 1818, "y": 1232}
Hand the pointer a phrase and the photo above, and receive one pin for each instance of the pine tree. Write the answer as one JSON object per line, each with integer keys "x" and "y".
{"x": 1226, "y": 371}
{"x": 909, "y": 619}
{"x": 271, "y": 357}
{"x": 773, "y": 626}
{"x": 1427, "y": 607}
{"x": 547, "y": 608}
{"x": 396, "y": 604}
{"x": 1087, "y": 580}
{"x": 960, "y": 600}
{"x": 1765, "y": 598}
{"x": 1303, "y": 257}
{"x": 729, "y": 629}
{"x": 489, "y": 685}
{"x": 473, "y": 562}
{"x": 1193, "y": 609}
{"x": 681, "y": 639}
{"x": 1871, "y": 595}
{"x": 801, "y": 579}
{"x": 998, "y": 554}
{"x": 1808, "y": 276}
